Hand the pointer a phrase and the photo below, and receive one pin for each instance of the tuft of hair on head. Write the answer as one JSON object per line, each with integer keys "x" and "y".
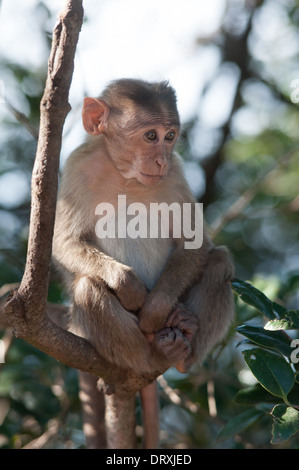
{"x": 151, "y": 95}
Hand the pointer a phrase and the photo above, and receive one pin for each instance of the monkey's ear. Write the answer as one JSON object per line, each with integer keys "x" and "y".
{"x": 95, "y": 115}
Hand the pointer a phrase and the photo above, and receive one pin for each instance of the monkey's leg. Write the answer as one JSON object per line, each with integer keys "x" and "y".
{"x": 93, "y": 411}
{"x": 98, "y": 316}
{"x": 211, "y": 300}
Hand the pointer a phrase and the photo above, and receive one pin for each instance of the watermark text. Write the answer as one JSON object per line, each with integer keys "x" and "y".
{"x": 295, "y": 354}
{"x": 158, "y": 220}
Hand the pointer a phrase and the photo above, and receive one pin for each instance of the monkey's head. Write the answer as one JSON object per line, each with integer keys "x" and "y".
{"x": 140, "y": 123}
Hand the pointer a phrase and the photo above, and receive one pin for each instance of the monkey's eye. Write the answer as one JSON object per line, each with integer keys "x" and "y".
{"x": 170, "y": 135}
{"x": 150, "y": 135}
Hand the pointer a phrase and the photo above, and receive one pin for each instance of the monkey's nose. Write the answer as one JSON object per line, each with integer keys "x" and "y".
{"x": 161, "y": 162}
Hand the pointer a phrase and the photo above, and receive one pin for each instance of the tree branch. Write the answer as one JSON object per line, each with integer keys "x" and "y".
{"x": 23, "y": 120}
{"x": 26, "y": 307}
{"x": 120, "y": 421}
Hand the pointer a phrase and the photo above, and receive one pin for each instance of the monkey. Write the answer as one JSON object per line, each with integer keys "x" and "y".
{"x": 145, "y": 303}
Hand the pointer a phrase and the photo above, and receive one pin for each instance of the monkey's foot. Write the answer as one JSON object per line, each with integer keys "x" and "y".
{"x": 184, "y": 320}
{"x": 171, "y": 346}
{"x": 187, "y": 323}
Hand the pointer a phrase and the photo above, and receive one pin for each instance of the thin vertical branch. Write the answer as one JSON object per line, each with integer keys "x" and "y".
{"x": 120, "y": 421}
{"x": 26, "y": 307}
{"x": 54, "y": 109}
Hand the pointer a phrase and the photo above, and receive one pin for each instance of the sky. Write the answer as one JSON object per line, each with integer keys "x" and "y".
{"x": 124, "y": 38}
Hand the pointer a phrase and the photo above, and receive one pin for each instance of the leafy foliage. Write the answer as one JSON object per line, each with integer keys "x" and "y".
{"x": 274, "y": 363}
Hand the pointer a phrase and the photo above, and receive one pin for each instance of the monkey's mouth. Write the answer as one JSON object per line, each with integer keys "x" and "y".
{"x": 151, "y": 180}
{"x": 153, "y": 176}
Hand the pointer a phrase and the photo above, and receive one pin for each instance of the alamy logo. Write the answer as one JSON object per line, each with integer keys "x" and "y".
{"x": 159, "y": 220}
{"x": 295, "y": 354}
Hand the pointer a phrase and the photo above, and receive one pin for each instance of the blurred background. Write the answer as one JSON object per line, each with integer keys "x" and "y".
{"x": 234, "y": 65}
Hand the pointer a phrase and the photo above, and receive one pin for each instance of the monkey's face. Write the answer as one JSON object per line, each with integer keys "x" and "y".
{"x": 140, "y": 140}
{"x": 145, "y": 154}
{"x": 150, "y": 150}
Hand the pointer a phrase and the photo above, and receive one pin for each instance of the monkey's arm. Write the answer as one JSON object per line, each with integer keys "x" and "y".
{"x": 183, "y": 269}
{"x": 77, "y": 255}
{"x": 206, "y": 310}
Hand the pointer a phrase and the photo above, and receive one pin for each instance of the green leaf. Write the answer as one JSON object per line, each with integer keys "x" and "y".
{"x": 239, "y": 423}
{"x": 274, "y": 339}
{"x": 272, "y": 371}
{"x": 285, "y": 423}
{"x": 254, "y": 297}
{"x": 289, "y": 321}
{"x": 279, "y": 310}
{"x": 256, "y": 395}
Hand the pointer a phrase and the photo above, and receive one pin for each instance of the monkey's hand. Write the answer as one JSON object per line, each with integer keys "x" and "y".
{"x": 170, "y": 347}
{"x": 154, "y": 313}
{"x": 128, "y": 288}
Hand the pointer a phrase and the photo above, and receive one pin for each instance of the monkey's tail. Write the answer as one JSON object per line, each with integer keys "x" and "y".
{"x": 151, "y": 414}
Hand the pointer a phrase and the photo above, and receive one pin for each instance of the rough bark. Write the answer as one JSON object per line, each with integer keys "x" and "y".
{"x": 120, "y": 421}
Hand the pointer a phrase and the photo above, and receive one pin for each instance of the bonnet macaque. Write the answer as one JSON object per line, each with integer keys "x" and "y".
{"x": 148, "y": 292}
